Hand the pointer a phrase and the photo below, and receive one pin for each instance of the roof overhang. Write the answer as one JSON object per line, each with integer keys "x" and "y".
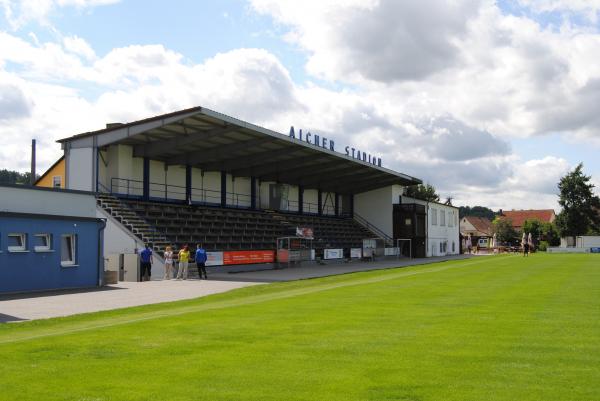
{"x": 213, "y": 141}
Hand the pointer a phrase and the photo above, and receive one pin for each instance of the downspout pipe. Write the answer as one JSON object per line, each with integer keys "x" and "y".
{"x": 100, "y": 266}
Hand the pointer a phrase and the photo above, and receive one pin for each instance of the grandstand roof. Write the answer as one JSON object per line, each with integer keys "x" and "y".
{"x": 213, "y": 141}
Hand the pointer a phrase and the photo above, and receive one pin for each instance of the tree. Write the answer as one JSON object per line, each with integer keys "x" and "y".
{"x": 14, "y": 177}
{"x": 533, "y": 226}
{"x": 424, "y": 192}
{"x": 550, "y": 234}
{"x": 504, "y": 230}
{"x": 579, "y": 214}
{"x": 476, "y": 211}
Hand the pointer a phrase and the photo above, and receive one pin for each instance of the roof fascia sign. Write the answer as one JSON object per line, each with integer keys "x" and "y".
{"x": 322, "y": 142}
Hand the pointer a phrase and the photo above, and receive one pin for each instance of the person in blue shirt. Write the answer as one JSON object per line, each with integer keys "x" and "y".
{"x": 201, "y": 261}
{"x": 146, "y": 263}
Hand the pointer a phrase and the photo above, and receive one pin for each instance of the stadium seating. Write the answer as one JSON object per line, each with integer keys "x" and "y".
{"x": 162, "y": 224}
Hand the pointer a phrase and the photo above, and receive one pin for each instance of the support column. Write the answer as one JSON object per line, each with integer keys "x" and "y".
{"x": 351, "y": 205}
{"x": 146, "y": 179}
{"x": 320, "y": 201}
{"x": 188, "y": 184}
{"x": 223, "y": 189}
{"x": 252, "y": 193}
{"x": 300, "y": 199}
{"x": 337, "y": 204}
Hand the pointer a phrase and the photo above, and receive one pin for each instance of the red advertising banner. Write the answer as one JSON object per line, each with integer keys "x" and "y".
{"x": 248, "y": 257}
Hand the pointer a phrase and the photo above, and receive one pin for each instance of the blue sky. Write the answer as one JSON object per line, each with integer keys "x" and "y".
{"x": 476, "y": 97}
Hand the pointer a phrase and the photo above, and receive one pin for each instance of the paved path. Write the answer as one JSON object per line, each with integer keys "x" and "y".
{"x": 125, "y": 294}
{"x": 122, "y": 295}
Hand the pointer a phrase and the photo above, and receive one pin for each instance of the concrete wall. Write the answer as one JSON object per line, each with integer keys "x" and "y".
{"x": 377, "y": 208}
{"x": 41, "y": 201}
{"x": 80, "y": 169}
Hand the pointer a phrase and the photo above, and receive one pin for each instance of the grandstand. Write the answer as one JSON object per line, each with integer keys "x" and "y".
{"x": 199, "y": 176}
{"x": 218, "y": 229}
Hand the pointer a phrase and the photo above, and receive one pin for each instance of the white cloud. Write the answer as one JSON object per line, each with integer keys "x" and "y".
{"x": 20, "y": 12}
{"x": 437, "y": 94}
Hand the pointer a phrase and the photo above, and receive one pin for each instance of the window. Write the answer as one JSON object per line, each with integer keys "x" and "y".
{"x": 42, "y": 242}
{"x": 453, "y": 247}
{"x": 441, "y": 247}
{"x": 450, "y": 218}
{"x": 68, "y": 245}
{"x": 442, "y": 217}
{"x": 56, "y": 181}
{"x": 17, "y": 242}
{"x": 434, "y": 217}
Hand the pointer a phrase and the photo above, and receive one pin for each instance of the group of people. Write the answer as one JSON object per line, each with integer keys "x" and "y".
{"x": 183, "y": 259}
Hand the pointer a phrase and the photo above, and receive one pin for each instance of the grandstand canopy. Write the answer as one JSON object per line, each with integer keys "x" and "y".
{"x": 213, "y": 141}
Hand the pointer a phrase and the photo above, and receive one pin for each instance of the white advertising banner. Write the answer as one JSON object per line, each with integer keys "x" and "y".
{"x": 392, "y": 251}
{"x": 312, "y": 254}
{"x": 355, "y": 252}
{"x": 214, "y": 258}
{"x": 334, "y": 253}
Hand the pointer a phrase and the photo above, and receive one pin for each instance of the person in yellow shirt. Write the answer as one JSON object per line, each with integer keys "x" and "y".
{"x": 184, "y": 258}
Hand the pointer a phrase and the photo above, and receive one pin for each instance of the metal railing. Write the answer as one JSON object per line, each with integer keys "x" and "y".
{"x": 169, "y": 192}
{"x": 374, "y": 229}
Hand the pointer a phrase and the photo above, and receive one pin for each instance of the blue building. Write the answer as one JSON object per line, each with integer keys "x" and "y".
{"x": 49, "y": 239}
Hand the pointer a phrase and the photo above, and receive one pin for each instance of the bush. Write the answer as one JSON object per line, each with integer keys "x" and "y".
{"x": 543, "y": 246}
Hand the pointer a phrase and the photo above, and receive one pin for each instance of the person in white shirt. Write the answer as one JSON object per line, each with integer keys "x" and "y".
{"x": 168, "y": 263}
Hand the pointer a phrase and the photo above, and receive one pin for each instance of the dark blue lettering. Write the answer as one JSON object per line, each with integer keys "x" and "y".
{"x": 369, "y": 158}
{"x": 352, "y": 152}
{"x": 379, "y": 162}
{"x": 331, "y": 145}
{"x": 308, "y": 134}
{"x": 300, "y": 134}
{"x": 347, "y": 149}
{"x": 324, "y": 142}
{"x": 292, "y": 134}
{"x": 317, "y": 140}
{"x": 364, "y": 156}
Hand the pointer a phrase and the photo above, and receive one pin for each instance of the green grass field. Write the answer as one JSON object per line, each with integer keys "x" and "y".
{"x": 488, "y": 328}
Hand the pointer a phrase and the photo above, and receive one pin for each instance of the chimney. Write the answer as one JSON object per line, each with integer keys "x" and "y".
{"x": 32, "y": 178}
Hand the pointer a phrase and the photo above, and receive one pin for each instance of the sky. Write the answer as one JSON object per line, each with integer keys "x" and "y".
{"x": 489, "y": 101}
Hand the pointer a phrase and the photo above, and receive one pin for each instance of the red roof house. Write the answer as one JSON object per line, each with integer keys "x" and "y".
{"x": 518, "y": 217}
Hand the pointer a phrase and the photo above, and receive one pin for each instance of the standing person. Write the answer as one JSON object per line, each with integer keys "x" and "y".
{"x": 525, "y": 245}
{"x": 184, "y": 258}
{"x": 146, "y": 263}
{"x": 168, "y": 263}
{"x": 201, "y": 261}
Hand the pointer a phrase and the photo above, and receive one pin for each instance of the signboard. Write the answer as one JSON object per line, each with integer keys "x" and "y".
{"x": 392, "y": 251}
{"x": 214, "y": 258}
{"x": 595, "y": 249}
{"x": 304, "y": 232}
{"x": 333, "y": 254}
{"x": 355, "y": 252}
{"x": 248, "y": 257}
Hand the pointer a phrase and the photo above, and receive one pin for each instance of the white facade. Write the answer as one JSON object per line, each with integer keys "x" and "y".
{"x": 377, "y": 207}
{"x": 23, "y": 199}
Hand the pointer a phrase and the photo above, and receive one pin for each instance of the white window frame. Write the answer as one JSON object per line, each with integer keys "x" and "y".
{"x": 73, "y": 260}
{"x": 48, "y": 241}
{"x": 59, "y": 181}
{"x": 442, "y": 218}
{"x": 22, "y": 239}
{"x": 433, "y": 217}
